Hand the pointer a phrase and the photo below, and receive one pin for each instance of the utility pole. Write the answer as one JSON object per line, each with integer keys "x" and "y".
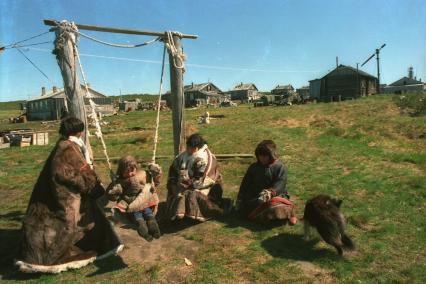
{"x": 357, "y": 81}
{"x": 377, "y": 53}
{"x": 176, "y": 73}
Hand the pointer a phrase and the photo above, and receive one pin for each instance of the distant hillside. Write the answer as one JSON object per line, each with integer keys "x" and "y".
{"x": 142, "y": 97}
{"x": 15, "y": 105}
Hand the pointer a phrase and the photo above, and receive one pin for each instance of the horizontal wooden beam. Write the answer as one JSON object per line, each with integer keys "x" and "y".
{"x": 218, "y": 156}
{"x": 119, "y": 30}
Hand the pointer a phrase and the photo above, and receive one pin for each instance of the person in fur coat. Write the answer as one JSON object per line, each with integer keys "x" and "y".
{"x": 194, "y": 186}
{"x": 62, "y": 222}
{"x": 135, "y": 193}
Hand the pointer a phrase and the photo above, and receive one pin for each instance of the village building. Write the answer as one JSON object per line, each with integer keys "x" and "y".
{"x": 201, "y": 94}
{"x": 406, "y": 85}
{"x": 283, "y": 90}
{"x": 342, "y": 83}
{"x": 303, "y": 93}
{"x": 244, "y": 92}
{"x": 50, "y": 105}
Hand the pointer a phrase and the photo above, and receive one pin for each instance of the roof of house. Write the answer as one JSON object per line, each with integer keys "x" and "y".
{"x": 60, "y": 93}
{"x": 406, "y": 81}
{"x": 284, "y": 87}
{"x": 247, "y": 86}
{"x": 198, "y": 87}
{"x": 341, "y": 66}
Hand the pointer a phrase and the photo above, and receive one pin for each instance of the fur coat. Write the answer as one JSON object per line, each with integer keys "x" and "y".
{"x": 194, "y": 187}
{"x": 63, "y": 222}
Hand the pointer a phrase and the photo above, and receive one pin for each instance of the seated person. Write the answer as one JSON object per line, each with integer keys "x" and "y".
{"x": 134, "y": 191}
{"x": 63, "y": 223}
{"x": 194, "y": 186}
{"x": 263, "y": 195}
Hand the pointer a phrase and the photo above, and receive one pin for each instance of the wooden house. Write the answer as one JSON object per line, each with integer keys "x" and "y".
{"x": 203, "y": 94}
{"x": 303, "y": 93}
{"x": 200, "y": 94}
{"x": 245, "y": 92}
{"x": 342, "y": 83}
{"x": 406, "y": 85}
{"x": 283, "y": 90}
{"x": 49, "y": 106}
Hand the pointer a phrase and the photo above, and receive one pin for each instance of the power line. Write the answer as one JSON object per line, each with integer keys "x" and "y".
{"x": 18, "y": 42}
{"x": 189, "y": 64}
{"x": 35, "y": 66}
{"x": 26, "y": 45}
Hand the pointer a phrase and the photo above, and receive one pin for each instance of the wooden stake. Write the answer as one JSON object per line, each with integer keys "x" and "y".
{"x": 178, "y": 100}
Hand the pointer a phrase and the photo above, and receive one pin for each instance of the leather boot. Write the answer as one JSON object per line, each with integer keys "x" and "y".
{"x": 143, "y": 230}
{"x": 153, "y": 228}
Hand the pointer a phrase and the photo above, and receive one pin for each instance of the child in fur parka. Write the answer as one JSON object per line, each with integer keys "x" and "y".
{"x": 134, "y": 191}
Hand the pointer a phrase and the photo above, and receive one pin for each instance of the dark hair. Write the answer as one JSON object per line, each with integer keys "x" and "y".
{"x": 126, "y": 163}
{"x": 70, "y": 126}
{"x": 267, "y": 148}
{"x": 195, "y": 140}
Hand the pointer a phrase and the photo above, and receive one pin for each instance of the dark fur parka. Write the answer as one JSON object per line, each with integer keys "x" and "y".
{"x": 62, "y": 221}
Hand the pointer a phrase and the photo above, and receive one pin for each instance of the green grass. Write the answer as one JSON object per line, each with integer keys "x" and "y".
{"x": 366, "y": 152}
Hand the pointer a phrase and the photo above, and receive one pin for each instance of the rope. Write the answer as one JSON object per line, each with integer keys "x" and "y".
{"x": 98, "y": 132}
{"x": 116, "y": 44}
{"x": 157, "y": 124}
{"x": 176, "y": 54}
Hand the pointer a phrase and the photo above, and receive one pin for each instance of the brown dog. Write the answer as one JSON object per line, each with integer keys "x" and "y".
{"x": 322, "y": 212}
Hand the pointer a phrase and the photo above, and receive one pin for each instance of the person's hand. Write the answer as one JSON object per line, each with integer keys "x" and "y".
{"x": 266, "y": 195}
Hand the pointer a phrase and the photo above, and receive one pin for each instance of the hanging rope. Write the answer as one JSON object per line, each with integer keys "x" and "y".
{"x": 176, "y": 54}
{"x": 157, "y": 124}
{"x": 116, "y": 44}
{"x": 98, "y": 132}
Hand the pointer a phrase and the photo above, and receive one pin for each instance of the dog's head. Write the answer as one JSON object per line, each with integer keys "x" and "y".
{"x": 335, "y": 201}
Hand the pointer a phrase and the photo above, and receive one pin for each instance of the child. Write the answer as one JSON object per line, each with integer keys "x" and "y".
{"x": 135, "y": 194}
{"x": 263, "y": 193}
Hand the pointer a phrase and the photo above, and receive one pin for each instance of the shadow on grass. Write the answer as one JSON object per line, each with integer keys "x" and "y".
{"x": 294, "y": 247}
{"x": 235, "y": 221}
{"x": 109, "y": 264}
{"x": 10, "y": 240}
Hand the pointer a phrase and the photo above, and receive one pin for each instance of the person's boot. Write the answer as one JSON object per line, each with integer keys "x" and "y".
{"x": 143, "y": 230}
{"x": 153, "y": 227}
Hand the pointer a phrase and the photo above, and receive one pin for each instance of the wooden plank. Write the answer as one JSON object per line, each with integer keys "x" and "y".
{"x": 165, "y": 157}
{"x": 118, "y": 30}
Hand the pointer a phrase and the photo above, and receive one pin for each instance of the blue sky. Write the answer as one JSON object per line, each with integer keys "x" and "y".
{"x": 265, "y": 42}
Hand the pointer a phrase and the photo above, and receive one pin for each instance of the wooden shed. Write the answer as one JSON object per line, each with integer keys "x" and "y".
{"x": 49, "y": 106}
{"x": 343, "y": 83}
{"x": 244, "y": 92}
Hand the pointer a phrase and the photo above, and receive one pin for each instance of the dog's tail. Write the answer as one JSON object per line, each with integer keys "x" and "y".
{"x": 347, "y": 242}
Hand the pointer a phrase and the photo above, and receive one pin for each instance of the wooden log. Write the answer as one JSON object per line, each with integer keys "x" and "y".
{"x": 165, "y": 157}
{"x": 118, "y": 30}
{"x": 64, "y": 50}
{"x": 177, "y": 99}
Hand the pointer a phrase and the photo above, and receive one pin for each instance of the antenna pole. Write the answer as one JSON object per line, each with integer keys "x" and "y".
{"x": 378, "y": 71}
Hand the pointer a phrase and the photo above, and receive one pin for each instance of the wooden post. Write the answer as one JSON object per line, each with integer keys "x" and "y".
{"x": 66, "y": 38}
{"x": 177, "y": 98}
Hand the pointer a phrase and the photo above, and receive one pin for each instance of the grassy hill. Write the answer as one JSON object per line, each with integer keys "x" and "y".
{"x": 369, "y": 152}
